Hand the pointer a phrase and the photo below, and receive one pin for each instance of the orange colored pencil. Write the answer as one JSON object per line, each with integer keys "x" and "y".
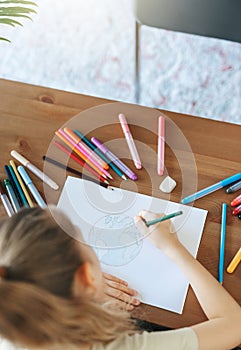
{"x": 74, "y": 149}
{"x": 86, "y": 148}
{"x": 79, "y": 161}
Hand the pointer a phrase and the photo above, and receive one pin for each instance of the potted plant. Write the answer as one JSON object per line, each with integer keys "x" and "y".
{"x": 10, "y": 10}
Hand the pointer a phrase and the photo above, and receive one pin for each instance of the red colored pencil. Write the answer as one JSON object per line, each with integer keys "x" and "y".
{"x": 79, "y": 160}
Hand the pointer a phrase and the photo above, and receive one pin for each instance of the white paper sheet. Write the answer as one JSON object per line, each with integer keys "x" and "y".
{"x": 105, "y": 219}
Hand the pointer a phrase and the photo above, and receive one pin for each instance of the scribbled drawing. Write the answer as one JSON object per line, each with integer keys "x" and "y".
{"x": 116, "y": 221}
{"x": 107, "y": 219}
{"x": 115, "y": 239}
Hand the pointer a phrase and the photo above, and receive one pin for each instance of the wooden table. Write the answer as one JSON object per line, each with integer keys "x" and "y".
{"x": 29, "y": 116}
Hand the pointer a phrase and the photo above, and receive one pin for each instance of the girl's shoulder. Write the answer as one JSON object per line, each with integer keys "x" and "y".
{"x": 182, "y": 339}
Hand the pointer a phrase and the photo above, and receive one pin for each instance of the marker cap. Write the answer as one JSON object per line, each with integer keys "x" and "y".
{"x": 6, "y": 182}
{"x": 124, "y": 124}
{"x": 236, "y": 201}
{"x": 100, "y": 145}
{"x": 161, "y": 125}
{"x": 19, "y": 157}
{"x": 24, "y": 174}
{"x": 237, "y": 210}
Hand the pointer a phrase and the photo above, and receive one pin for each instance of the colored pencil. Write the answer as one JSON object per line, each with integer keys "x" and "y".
{"x": 97, "y": 151}
{"x": 86, "y": 154}
{"x": 80, "y": 161}
{"x": 74, "y": 171}
{"x": 92, "y": 155}
{"x": 66, "y": 139}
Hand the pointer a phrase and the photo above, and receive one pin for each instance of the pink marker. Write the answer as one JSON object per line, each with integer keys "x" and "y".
{"x": 161, "y": 145}
{"x": 81, "y": 150}
{"x": 130, "y": 141}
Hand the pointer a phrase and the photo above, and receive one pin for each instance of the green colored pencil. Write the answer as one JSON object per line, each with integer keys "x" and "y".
{"x": 163, "y": 218}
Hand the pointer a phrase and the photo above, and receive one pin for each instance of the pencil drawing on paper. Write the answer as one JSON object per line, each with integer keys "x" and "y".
{"x": 115, "y": 239}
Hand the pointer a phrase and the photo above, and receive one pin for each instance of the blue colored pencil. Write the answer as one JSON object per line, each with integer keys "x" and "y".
{"x": 222, "y": 243}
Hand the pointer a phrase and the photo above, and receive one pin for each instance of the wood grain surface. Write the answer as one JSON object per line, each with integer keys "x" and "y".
{"x": 199, "y": 153}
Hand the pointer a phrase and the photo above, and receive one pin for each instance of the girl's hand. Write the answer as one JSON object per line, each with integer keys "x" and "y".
{"x": 117, "y": 289}
{"x": 162, "y": 234}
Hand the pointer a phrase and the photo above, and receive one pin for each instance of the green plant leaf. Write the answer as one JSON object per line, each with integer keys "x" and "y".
{"x": 4, "y": 39}
{"x": 22, "y": 16}
{"x": 18, "y": 2}
{"x": 14, "y": 10}
{"x": 7, "y": 12}
{"x": 10, "y": 22}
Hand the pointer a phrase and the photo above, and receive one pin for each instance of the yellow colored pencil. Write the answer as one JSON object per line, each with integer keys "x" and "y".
{"x": 29, "y": 200}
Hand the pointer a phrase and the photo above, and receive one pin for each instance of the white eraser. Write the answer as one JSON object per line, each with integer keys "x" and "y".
{"x": 167, "y": 185}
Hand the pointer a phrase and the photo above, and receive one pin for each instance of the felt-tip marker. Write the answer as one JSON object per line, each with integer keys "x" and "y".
{"x": 212, "y": 188}
{"x": 236, "y": 201}
{"x": 5, "y": 201}
{"x": 31, "y": 187}
{"x": 237, "y": 210}
{"x": 11, "y": 195}
{"x": 235, "y": 187}
{"x": 34, "y": 170}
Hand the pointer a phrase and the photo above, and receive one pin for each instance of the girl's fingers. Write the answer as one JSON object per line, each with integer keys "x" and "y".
{"x": 122, "y": 305}
{"x": 120, "y": 287}
{"x": 140, "y": 225}
{"x": 148, "y": 215}
{"x": 121, "y": 296}
{"x": 109, "y": 277}
{"x": 117, "y": 289}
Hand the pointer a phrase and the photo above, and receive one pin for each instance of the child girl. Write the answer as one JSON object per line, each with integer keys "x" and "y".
{"x": 53, "y": 293}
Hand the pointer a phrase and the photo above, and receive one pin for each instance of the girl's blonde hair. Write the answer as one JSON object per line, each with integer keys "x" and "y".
{"x": 37, "y": 310}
